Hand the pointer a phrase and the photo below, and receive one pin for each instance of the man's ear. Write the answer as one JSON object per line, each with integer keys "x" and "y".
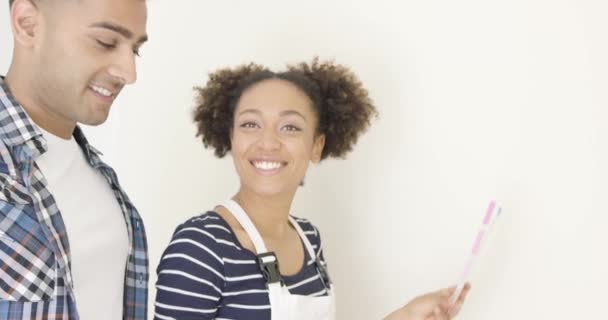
{"x": 317, "y": 148}
{"x": 25, "y": 22}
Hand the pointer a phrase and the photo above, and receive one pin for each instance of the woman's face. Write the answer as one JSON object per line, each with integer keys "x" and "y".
{"x": 274, "y": 137}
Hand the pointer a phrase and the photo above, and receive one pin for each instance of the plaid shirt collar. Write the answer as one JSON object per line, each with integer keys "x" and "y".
{"x": 17, "y": 128}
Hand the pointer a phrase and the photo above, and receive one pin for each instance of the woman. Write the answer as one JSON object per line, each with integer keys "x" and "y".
{"x": 248, "y": 258}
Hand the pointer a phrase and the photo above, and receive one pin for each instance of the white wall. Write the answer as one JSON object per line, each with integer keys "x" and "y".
{"x": 478, "y": 100}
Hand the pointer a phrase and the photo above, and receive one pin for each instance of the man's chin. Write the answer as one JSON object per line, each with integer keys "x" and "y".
{"x": 95, "y": 120}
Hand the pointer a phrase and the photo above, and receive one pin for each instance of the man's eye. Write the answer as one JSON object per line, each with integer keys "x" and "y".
{"x": 106, "y": 44}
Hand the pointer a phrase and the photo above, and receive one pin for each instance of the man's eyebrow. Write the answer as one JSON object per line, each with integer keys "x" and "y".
{"x": 119, "y": 29}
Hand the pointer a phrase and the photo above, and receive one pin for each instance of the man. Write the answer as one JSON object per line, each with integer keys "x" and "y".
{"x": 72, "y": 246}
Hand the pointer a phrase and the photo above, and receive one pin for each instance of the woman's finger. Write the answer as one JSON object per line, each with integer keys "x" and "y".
{"x": 464, "y": 293}
{"x": 438, "y": 314}
{"x": 455, "y": 308}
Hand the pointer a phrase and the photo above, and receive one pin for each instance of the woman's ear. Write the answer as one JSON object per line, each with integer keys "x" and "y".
{"x": 317, "y": 148}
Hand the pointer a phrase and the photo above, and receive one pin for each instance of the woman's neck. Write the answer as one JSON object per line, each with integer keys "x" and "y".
{"x": 269, "y": 214}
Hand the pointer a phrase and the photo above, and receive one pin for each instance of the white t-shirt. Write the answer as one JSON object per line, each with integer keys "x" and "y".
{"x": 95, "y": 225}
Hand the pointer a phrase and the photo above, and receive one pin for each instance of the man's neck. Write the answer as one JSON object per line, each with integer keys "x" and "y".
{"x": 39, "y": 112}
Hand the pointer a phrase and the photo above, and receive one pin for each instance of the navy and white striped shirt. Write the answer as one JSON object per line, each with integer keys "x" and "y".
{"x": 205, "y": 273}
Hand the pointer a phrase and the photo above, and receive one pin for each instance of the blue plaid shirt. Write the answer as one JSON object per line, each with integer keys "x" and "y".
{"x": 35, "y": 274}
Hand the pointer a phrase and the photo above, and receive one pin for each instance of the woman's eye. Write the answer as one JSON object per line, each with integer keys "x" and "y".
{"x": 249, "y": 125}
{"x": 290, "y": 127}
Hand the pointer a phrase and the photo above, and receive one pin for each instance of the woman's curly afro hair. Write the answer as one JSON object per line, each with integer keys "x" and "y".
{"x": 343, "y": 106}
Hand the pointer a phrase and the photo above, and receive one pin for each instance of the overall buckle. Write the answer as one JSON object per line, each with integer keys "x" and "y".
{"x": 269, "y": 265}
{"x": 324, "y": 275}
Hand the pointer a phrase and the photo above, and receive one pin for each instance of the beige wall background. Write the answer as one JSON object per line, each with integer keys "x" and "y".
{"x": 478, "y": 100}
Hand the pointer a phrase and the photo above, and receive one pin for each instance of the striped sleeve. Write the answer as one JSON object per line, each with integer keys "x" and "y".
{"x": 190, "y": 276}
{"x": 317, "y": 244}
{"x": 313, "y": 235}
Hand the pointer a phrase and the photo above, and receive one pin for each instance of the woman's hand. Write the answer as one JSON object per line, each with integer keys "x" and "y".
{"x": 431, "y": 306}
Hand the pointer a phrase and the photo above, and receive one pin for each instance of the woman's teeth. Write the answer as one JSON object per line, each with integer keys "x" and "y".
{"x": 266, "y": 165}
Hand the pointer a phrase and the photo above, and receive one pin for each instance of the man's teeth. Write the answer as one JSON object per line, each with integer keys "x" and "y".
{"x": 101, "y": 91}
{"x": 267, "y": 165}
